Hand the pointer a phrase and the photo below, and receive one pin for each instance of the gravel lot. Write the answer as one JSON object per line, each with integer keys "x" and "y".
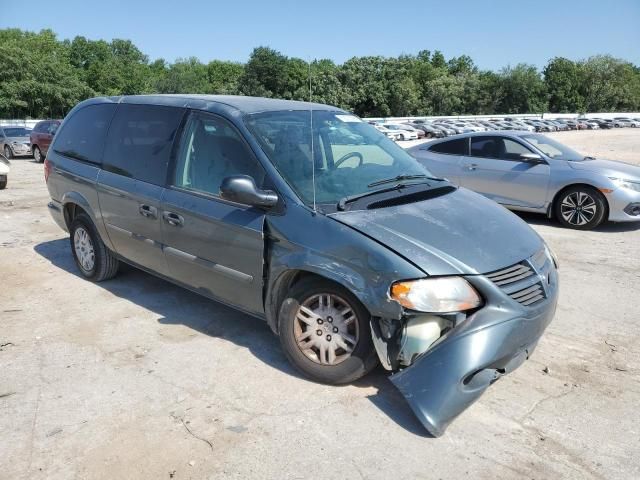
{"x": 136, "y": 378}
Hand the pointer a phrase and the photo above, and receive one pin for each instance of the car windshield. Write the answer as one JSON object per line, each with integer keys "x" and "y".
{"x": 16, "y": 132}
{"x": 349, "y": 155}
{"x": 553, "y": 149}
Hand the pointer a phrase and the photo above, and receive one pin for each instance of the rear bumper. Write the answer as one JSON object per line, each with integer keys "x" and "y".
{"x": 453, "y": 374}
{"x": 55, "y": 209}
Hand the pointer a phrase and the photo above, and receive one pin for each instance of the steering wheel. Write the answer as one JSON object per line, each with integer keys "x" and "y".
{"x": 346, "y": 157}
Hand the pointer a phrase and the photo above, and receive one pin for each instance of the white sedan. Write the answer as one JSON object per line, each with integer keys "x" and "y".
{"x": 402, "y": 134}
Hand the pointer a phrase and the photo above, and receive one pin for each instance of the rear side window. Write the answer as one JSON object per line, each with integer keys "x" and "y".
{"x": 41, "y": 127}
{"x": 84, "y": 133}
{"x": 452, "y": 147}
{"x": 485, "y": 147}
{"x": 140, "y": 141}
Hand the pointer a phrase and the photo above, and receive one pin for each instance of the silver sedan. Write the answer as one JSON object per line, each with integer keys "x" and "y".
{"x": 530, "y": 172}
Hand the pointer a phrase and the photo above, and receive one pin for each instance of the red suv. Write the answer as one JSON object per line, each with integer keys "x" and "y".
{"x": 41, "y": 137}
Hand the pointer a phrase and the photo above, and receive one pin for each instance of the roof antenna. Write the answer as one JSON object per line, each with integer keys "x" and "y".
{"x": 313, "y": 160}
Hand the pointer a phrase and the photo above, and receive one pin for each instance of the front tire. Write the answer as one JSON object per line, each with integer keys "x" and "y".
{"x": 8, "y": 153}
{"x": 37, "y": 154}
{"x": 581, "y": 208}
{"x": 324, "y": 332}
{"x": 3, "y": 182}
{"x": 92, "y": 257}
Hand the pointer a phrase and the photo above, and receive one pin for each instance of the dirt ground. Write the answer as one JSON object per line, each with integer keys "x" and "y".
{"x": 136, "y": 378}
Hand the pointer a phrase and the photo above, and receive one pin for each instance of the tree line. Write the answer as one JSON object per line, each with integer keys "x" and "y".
{"x": 44, "y": 77}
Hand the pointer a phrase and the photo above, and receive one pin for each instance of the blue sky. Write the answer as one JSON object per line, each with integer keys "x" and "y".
{"x": 493, "y": 33}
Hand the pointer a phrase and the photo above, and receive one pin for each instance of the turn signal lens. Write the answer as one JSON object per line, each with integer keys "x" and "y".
{"x": 436, "y": 295}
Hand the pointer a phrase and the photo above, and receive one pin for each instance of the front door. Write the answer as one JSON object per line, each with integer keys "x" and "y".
{"x": 212, "y": 245}
{"x": 495, "y": 169}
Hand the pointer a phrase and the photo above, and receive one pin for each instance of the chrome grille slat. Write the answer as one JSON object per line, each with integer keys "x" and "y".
{"x": 511, "y": 274}
{"x": 524, "y": 292}
{"x": 533, "y": 300}
{"x": 514, "y": 279}
{"x": 505, "y": 271}
{"x": 529, "y": 296}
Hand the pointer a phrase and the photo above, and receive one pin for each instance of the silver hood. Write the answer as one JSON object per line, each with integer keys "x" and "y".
{"x": 608, "y": 168}
{"x": 457, "y": 233}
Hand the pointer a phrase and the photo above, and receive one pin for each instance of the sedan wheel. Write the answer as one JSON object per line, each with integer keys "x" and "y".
{"x": 7, "y": 152}
{"x": 581, "y": 208}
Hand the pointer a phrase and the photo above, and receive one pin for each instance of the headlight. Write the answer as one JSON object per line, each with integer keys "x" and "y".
{"x": 436, "y": 295}
{"x": 630, "y": 184}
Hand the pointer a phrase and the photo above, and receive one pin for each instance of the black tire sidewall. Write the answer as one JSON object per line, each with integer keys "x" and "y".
{"x": 7, "y": 152}
{"x": 362, "y": 360}
{"x": 601, "y": 210}
{"x": 39, "y": 157}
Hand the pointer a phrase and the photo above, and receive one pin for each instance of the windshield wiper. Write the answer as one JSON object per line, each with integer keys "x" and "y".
{"x": 343, "y": 201}
{"x": 400, "y": 178}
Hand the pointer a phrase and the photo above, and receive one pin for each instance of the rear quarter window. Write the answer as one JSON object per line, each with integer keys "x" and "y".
{"x": 84, "y": 133}
{"x": 140, "y": 141}
{"x": 459, "y": 146}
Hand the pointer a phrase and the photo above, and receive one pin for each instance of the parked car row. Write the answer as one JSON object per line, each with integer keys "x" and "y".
{"x": 18, "y": 141}
{"x": 438, "y": 128}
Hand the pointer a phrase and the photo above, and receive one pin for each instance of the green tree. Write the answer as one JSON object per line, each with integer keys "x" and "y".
{"x": 563, "y": 79}
{"x": 523, "y": 90}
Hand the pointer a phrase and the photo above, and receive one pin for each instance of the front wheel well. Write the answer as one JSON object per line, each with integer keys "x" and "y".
{"x": 557, "y": 196}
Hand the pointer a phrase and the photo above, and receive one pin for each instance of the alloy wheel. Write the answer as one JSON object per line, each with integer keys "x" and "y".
{"x": 37, "y": 156}
{"x": 578, "y": 208}
{"x": 326, "y": 329}
{"x": 83, "y": 247}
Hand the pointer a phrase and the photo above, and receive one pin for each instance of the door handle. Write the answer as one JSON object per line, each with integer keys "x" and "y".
{"x": 471, "y": 166}
{"x": 148, "y": 211}
{"x": 173, "y": 219}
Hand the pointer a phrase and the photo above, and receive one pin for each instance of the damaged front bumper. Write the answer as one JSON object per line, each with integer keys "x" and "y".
{"x": 493, "y": 341}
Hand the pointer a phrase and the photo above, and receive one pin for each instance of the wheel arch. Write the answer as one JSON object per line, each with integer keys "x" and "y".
{"x": 283, "y": 283}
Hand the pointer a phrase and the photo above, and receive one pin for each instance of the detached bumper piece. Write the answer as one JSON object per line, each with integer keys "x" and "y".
{"x": 447, "y": 379}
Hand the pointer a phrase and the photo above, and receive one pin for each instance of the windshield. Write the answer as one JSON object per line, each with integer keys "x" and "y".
{"x": 16, "y": 132}
{"x": 553, "y": 149}
{"x": 349, "y": 154}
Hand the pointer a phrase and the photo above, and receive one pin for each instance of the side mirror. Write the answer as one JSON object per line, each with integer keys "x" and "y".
{"x": 532, "y": 158}
{"x": 242, "y": 189}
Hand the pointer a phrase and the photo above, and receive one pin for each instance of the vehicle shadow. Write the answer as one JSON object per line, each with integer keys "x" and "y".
{"x": 177, "y": 306}
{"x": 606, "y": 227}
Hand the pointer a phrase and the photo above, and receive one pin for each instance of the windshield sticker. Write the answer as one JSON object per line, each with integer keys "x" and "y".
{"x": 348, "y": 118}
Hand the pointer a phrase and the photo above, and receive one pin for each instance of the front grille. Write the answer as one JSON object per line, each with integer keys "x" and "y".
{"x": 510, "y": 275}
{"x": 529, "y": 295}
{"x": 521, "y": 281}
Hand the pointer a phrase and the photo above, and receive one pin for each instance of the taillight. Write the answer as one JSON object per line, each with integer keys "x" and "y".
{"x": 47, "y": 169}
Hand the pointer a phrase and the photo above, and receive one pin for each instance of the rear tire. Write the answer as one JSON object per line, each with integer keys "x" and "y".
{"x": 309, "y": 351}
{"x": 581, "y": 208}
{"x": 3, "y": 183}
{"x": 92, "y": 257}
{"x": 37, "y": 154}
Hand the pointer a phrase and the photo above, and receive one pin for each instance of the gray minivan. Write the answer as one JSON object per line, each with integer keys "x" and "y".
{"x": 306, "y": 216}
